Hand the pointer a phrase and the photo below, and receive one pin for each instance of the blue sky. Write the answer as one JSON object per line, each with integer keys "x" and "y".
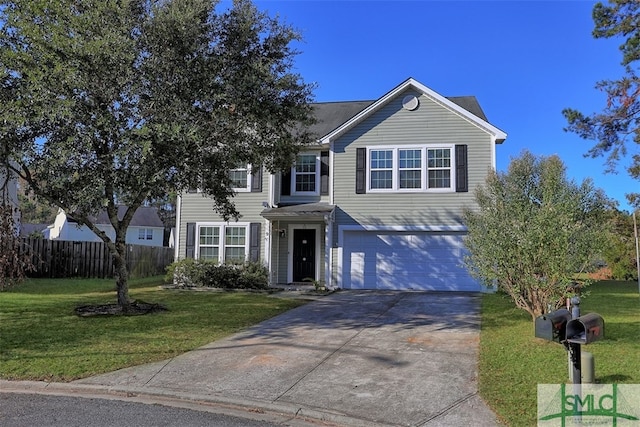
{"x": 524, "y": 60}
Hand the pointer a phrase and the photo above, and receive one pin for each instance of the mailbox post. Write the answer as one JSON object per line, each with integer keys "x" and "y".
{"x": 582, "y": 330}
{"x": 571, "y": 330}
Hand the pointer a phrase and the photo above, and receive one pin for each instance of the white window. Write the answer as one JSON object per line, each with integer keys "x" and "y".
{"x": 305, "y": 176}
{"x": 235, "y": 244}
{"x": 223, "y": 243}
{"x": 381, "y": 169}
{"x": 145, "y": 234}
{"x": 411, "y": 168}
{"x": 209, "y": 243}
{"x": 241, "y": 178}
{"x": 439, "y": 168}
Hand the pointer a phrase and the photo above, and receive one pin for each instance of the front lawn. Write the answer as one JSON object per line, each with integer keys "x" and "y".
{"x": 42, "y": 339}
{"x": 513, "y": 362}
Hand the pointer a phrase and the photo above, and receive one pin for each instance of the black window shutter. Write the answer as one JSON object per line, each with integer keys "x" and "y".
{"x": 361, "y": 170}
{"x": 285, "y": 183}
{"x": 256, "y": 180}
{"x": 462, "y": 178}
{"x": 324, "y": 172}
{"x": 254, "y": 242}
{"x": 191, "y": 240}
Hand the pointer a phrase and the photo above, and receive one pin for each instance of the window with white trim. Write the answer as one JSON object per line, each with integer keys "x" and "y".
{"x": 410, "y": 168}
{"x": 439, "y": 167}
{"x": 240, "y": 178}
{"x": 381, "y": 169}
{"x": 414, "y": 168}
{"x": 305, "y": 174}
{"x": 222, "y": 243}
{"x": 145, "y": 234}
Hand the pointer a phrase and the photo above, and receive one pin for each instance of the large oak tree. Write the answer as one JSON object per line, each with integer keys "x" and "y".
{"x": 106, "y": 102}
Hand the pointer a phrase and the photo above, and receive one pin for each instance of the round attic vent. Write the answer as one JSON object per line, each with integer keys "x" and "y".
{"x": 410, "y": 102}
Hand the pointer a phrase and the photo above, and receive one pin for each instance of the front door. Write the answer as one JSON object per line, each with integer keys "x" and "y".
{"x": 304, "y": 254}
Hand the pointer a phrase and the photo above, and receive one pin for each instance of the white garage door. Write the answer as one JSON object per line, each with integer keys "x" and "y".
{"x": 405, "y": 261}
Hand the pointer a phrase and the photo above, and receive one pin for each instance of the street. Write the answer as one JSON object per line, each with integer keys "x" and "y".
{"x": 27, "y": 410}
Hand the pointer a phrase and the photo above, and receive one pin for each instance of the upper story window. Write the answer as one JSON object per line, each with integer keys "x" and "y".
{"x": 222, "y": 243}
{"x": 240, "y": 178}
{"x": 145, "y": 234}
{"x": 413, "y": 168}
{"x": 381, "y": 169}
{"x": 308, "y": 177}
{"x": 439, "y": 168}
{"x": 305, "y": 176}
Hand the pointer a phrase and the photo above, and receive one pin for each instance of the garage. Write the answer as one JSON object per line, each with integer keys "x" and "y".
{"x": 398, "y": 260}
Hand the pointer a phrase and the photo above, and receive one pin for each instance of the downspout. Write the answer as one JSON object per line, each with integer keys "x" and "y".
{"x": 329, "y": 219}
{"x": 176, "y": 237}
{"x": 493, "y": 153}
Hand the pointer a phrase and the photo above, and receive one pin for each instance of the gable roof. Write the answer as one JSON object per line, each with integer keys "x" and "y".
{"x": 469, "y": 103}
{"x": 144, "y": 217}
{"x": 465, "y": 106}
{"x": 330, "y": 115}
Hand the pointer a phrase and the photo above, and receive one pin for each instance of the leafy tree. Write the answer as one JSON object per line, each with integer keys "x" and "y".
{"x": 105, "y": 103}
{"x": 620, "y": 250}
{"x": 533, "y": 230}
{"x": 616, "y": 128}
{"x": 35, "y": 210}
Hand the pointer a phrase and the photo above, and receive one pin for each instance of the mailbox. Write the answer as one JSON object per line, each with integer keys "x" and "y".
{"x": 552, "y": 326}
{"x": 585, "y": 329}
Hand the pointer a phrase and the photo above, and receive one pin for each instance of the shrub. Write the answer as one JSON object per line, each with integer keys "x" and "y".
{"x": 224, "y": 276}
{"x": 188, "y": 273}
{"x": 254, "y": 275}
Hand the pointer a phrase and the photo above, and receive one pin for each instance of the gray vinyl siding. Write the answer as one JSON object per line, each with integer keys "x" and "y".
{"x": 197, "y": 208}
{"x": 431, "y": 123}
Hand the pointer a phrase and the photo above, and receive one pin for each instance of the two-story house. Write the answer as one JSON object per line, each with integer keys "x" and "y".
{"x": 375, "y": 204}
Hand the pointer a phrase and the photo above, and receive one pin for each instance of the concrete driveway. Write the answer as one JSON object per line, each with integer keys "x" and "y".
{"x": 356, "y": 358}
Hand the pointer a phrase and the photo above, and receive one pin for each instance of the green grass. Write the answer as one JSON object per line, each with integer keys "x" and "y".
{"x": 513, "y": 362}
{"x": 42, "y": 339}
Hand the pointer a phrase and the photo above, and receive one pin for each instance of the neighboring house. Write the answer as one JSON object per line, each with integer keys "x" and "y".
{"x": 146, "y": 228}
{"x": 376, "y": 204}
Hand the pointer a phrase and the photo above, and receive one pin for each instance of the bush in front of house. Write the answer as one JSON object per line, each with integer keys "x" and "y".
{"x": 192, "y": 273}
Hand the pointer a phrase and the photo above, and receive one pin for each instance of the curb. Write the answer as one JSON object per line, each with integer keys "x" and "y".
{"x": 275, "y": 412}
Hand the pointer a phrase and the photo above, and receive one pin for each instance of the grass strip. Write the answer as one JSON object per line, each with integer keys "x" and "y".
{"x": 513, "y": 362}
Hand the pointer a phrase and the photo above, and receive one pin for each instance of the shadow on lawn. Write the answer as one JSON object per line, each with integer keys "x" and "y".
{"x": 612, "y": 379}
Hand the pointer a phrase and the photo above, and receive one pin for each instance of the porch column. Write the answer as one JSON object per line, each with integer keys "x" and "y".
{"x": 328, "y": 250}
{"x": 267, "y": 248}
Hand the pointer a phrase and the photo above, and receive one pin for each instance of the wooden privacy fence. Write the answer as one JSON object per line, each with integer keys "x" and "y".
{"x": 60, "y": 258}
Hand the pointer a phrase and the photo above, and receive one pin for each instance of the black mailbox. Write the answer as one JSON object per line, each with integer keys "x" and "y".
{"x": 552, "y": 326}
{"x": 585, "y": 329}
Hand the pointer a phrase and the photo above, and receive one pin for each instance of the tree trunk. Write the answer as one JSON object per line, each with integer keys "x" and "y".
{"x": 122, "y": 276}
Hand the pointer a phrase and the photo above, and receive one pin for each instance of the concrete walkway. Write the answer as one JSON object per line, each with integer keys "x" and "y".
{"x": 351, "y": 358}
